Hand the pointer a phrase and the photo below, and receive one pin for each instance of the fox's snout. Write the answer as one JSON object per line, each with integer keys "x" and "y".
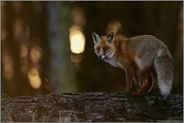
{"x": 101, "y": 57}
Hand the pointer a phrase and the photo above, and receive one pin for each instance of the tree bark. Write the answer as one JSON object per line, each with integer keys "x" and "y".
{"x": 92, "y": 107}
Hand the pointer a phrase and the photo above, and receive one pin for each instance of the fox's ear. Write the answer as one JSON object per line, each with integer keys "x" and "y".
{"x": 111, "y": 37}
{"x": 96, "y": 38}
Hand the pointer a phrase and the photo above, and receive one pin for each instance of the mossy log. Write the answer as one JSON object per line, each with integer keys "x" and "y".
{"x": 92, "y": 107}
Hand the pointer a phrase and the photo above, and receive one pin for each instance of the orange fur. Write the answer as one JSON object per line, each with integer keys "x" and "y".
{"x": 139, "y": 56}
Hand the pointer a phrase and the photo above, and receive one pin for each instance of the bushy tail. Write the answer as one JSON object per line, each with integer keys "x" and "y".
{"x": 164, "y": 68}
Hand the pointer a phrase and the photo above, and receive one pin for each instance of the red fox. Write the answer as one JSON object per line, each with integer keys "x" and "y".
{"x": 139, "y": 56}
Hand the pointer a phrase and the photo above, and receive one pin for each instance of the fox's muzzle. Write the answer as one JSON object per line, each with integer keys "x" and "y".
{"x": 101, "y": 57}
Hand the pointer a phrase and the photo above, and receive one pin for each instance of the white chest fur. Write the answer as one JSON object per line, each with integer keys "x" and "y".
{"x": 114, "y": 63}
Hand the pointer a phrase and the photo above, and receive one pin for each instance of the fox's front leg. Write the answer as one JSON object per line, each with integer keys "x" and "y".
{"x": 129, "y": 76}
{"x": 137, "y": 78}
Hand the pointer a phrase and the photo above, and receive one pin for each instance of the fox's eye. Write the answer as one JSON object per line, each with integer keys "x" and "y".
{"x": 106, "y": 48}
{"x": 98, "y": 49}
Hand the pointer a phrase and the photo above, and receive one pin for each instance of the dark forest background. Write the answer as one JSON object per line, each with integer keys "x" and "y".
{"x": 47, "y": 46}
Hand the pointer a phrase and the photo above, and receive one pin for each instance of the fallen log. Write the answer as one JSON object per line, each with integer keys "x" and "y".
{"x": 92, "y": 107}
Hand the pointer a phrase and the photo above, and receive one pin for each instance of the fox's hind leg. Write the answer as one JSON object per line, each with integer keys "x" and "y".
{"x": 144, "y": 75}
{"x": 154, "y": 81}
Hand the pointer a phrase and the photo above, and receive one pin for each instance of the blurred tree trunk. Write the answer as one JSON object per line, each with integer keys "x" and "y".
{"x": 179, "y": 52}
{"x": 61, "y": 74}
{"x": 24, "y": 28}
{"x": 10, "y": 50}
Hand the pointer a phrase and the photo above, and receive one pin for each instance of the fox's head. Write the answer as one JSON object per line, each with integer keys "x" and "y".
{"x": 104, "y": 46}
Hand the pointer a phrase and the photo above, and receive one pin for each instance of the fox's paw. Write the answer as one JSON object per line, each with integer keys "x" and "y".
{"x": 149, "y": 92}
{"x": 134, "y": 93}
{"x": 127, "y": 90}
